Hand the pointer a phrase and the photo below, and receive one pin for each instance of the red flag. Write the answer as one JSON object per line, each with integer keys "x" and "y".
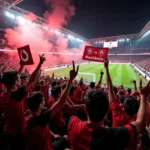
{"x": 25, "y": 55}
{"x": 95, "y": 53}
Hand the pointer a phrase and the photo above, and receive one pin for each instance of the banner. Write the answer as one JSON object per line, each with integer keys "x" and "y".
{"x": 111, "y": 44}
{"x": 95, "y": 53}
{"x": 25, "y": 55}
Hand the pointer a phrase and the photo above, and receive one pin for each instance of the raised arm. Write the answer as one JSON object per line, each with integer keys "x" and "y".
{"x": 60, "y": 103}
{"x": 21, "y": 68}
{"x": 100, "y": 80}
{"x": 140, "y": 85}
{"x": 35, "y": 73}
{"x": 135, "y": 86}
{"x": 142, "y": 115}
{"x": 111, "y": 93}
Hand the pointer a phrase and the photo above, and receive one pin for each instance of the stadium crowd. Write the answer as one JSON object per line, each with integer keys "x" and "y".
{"x": 43, "y": 113}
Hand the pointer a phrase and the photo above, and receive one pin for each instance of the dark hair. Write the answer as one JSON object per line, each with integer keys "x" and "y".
{"x": 9, "y": 78}
{"x": 37, "y": 88}
{"x": 129, "y": 90}
{"x": 34, "y": 100}
{"x": 63, "y": 86}
{"x": 81, "y": 83}
{"x": 71, "y": 90}
{"x": 53, "y": 83}
{"x": 92, "y": 85}
{"x": 42, "y": 82}
{"x": 115, "y": 90}
{"x": 121, "y": 93}
{"x": 122, "y": 98}
{"x": 131, "y": 105}
{"x": 56, "y": 91}
{"x": 23, "y": 77}
{"x": 58, "y": 83}
{"x": 97, "y": 104}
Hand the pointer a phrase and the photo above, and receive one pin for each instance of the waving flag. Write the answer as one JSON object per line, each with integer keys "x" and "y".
{"x": 95, "y": 53}
{"x": 25, "y": 55}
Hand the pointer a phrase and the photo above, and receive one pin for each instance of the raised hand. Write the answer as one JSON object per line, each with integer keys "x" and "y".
{"x": 101, "y": 73}
{"x": 73, "y": 72}
{"x": 106, "y": 63}
{"x": 134, "y": 81}
{"x": 145, "y": 90}
{"x": 53, "y": 75}
{"x": 42, "y": 58}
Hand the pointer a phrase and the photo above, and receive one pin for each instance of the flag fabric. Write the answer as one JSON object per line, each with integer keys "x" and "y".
{"x": 25, "y": 55}
{"x": 95, "y": 54}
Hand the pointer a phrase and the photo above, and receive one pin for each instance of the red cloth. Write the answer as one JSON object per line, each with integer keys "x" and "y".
{"x": 78, "y": 92}
{"x": 85, "y": 137}
{"x": 14, "y": 112}
{"x": 58, "y": 120}
{"x": 120, "y": 118}
{"x": 38, "y": 138}
{"x": 74, "y": 99}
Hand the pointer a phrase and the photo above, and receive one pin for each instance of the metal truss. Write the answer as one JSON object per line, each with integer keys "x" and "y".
{"x": 9, "y": 3}
{"x": 6, "y": 5}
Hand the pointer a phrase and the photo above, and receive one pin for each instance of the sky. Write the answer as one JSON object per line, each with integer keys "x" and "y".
{"x": 101, "y": 18}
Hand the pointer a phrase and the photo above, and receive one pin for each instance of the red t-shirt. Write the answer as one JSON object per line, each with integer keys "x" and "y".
{"x": 58, "y": 121}
{"x": 74, "y": 99}
{"x": 37, "y": 134}
{"x": 120, "y": 118}
{"x": 84, "y": 137}
{"x": 78, "y": 92}
{"x": 12, "y": 106}
{"x": 44, "y": 90}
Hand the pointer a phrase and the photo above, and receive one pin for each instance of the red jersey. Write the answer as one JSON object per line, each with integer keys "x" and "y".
{"x": 12, "y": 106}
{"x": 120, "y": 118}
{"x": 58, "y": 121}
{"x": 37, "y": 134}
{"x": 82, "y": 136}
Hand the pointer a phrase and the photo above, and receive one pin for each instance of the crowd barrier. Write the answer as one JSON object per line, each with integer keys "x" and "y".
{"x": 141, "y": 72}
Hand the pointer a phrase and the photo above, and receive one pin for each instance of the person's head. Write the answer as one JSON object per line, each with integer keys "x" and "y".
{"x": 42, "y": 82}
{"x": 97, "y": 105}
{"x": 63, "y": 86}
{"x": 115, "y": 90}
{"x": 131, "y": 105}
{"x": 121, "y": 93}
{"x": 35, "y": 101}
{"x": 122, "y": 98}
{"x": 71, "y": 91}
{"x": 129, "y": 90}
{"x": 53, "y": 84}
{"x": 23, "y": 79}
{"x": 92, "y": 85}
{"x": 56, "y": 92}
{"x": 81, "y": 83}
{"x": 11, "y": 79}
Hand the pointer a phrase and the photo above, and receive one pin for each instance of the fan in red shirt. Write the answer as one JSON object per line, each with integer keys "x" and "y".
{"x": 92, "y": 134}
{"x": 37, "y": 134}
{"x": 12, "y": 105}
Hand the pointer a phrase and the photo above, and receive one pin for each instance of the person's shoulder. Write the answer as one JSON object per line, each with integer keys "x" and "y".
{"x": 75, "y": 119}
{"x": 76, "y": 124}
{"x": 19, "y": 93}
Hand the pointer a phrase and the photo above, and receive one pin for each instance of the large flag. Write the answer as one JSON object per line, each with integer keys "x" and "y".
{"x": 95, "y": 54}
{"x": 25, "y": 55}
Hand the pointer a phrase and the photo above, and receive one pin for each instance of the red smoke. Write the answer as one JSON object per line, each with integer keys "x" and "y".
{"x": 62, "y": 11}
{"x": 46, "y": 41}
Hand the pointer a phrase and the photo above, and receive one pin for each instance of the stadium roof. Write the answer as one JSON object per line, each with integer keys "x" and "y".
{"x": 10, "y": 5}
{"x": 127, "y": 36}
